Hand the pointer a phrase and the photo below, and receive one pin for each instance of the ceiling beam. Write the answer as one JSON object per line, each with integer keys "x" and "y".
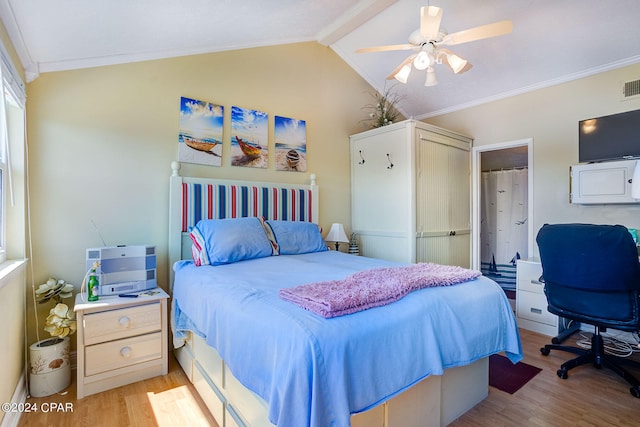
{"x": 352, "y": 19}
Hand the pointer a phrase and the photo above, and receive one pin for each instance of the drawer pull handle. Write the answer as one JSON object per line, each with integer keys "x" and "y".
{"x": 536, "y": 282}
{"x": 125, "y": 352}
{"x": 536, "y": 310}
{"x": 124, "y": 321}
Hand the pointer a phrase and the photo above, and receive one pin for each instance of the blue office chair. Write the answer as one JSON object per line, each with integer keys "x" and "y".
{"x": 591, "y": 275}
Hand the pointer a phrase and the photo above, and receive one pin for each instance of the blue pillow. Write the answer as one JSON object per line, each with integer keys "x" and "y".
{"x": 297, "y": 237}
{"x": 224, "y": 241}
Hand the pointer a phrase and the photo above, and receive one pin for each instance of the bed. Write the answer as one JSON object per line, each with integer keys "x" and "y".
{"x": 258, "y": 359}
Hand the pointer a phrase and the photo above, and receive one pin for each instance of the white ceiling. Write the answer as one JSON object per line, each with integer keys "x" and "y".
{"x": 552, "y": 41}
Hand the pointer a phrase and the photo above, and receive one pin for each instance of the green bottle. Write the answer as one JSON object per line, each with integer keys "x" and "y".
{"x": 92, "y": 287}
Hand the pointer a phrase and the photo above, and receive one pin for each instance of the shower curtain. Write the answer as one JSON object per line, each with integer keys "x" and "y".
{"x": 503, "y": 224}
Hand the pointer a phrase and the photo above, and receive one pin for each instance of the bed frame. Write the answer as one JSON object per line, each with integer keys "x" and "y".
{"x": 435, "y": 401}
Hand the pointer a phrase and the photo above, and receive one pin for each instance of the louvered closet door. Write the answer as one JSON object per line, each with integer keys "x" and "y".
{"x": 442, "y": 200}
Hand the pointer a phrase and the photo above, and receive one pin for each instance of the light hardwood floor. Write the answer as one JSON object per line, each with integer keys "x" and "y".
{"x": 163, "y": 401}
{"x": 589, "y": 397}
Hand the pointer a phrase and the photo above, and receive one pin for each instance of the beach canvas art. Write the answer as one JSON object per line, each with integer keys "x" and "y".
{"x": 249, "y": 138}
{"x": 291, "y": 144}
{"x": 200, "y": 133}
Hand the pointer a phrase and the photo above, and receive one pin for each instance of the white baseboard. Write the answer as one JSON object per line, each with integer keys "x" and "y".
{"x": 11, "y": 419}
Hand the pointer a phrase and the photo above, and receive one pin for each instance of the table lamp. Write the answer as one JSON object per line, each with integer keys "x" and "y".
{"x": 337, "y": 235}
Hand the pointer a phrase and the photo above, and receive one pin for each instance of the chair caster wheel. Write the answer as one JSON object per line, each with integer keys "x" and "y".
{"x": 635, "y": 391}
{"x": 545, "y": 351}
{"x": 562, "y": 373}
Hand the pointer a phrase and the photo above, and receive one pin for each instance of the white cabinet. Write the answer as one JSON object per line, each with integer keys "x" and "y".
{"x": 531, "y": 302}
{"x": 121, "y": 340}
{"x": 410, "y": 193}
{"x": 603, "y": 183}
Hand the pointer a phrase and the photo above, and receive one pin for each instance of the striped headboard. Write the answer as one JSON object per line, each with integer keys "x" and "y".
{"x": 192, "y": 199}
{"x": 234, "y": 200}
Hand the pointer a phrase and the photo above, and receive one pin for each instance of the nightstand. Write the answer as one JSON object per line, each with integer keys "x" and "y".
{"x": 121, "y": 340}
{"x": 531, "y": 303}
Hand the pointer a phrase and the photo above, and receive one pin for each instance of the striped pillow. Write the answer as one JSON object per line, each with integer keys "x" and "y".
{"x": 224, "y": 241}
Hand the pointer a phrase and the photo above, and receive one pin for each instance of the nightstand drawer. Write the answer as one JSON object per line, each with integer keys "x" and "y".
{"x": 528, "y": 274}
{"x": 533, "y": 306}
{"x": 530, "y": 284}
{"x": 117, "y": 354}
{"x": 121, "y": 323}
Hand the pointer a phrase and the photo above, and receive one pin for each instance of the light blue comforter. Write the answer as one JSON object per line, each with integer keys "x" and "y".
{"x": 316, "y": 372}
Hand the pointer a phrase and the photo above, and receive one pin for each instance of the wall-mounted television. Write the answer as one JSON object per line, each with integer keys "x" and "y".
{"x": 613, "y": 137}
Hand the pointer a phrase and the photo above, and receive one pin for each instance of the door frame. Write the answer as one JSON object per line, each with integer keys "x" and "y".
{"x": 476, "y": 170}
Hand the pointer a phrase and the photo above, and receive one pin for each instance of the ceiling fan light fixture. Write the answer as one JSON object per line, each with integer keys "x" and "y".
{"x": 431, "y": 77}
{"x": 422, "y": 61}
{"x": 456, "y": 63}
{"x": 403, "y": 74}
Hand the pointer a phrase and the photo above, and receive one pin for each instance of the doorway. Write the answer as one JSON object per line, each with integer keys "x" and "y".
{"x": 511, "y": 155}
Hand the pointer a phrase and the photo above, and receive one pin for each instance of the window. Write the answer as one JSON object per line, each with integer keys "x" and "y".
{"x": 4, "y": 191}
{"x": 12, "y": 125}
{"x": 3, "y": 252}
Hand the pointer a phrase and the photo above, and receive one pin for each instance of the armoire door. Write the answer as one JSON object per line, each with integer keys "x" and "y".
{"x": 443, "y": 220}
{"x": 381, "y": 193}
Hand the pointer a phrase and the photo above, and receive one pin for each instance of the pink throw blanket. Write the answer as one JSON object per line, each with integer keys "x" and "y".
{"x": 373, "y": 288}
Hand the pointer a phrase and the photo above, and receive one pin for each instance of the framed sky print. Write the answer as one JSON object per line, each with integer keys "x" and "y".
{"x": 291, "y": 144}
{"x": 249, "y": 138}
{"x": 200, "y": 134}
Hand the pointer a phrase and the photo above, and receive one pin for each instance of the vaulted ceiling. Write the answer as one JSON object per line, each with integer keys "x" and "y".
{"x": 552, "y": 41}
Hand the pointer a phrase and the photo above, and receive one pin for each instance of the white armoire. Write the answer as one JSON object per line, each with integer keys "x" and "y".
{"x": 410, "y": 193}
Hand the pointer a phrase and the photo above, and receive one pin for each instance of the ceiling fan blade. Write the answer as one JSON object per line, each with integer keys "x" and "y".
{"x": 386, "y": 48}
{"x": 478, "y": 33}
{"x": 430, "y": 17}
{"x": 402, "y": 64}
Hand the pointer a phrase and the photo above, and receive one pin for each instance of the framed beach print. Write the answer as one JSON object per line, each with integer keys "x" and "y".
{"x": 200, "y": 133}
{"x": 291, "y": 144}
{"x": 249, "y": 138}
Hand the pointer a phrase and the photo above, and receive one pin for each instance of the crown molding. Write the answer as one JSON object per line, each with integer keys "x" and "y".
{"x": 542, "y": 85}
{"x": 31, "y": 69}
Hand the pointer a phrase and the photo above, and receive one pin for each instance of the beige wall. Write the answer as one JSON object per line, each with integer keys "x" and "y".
{"x": 101, "y": 142}
{"x": 550, "y": 116}
{"x": 12, "y": 357}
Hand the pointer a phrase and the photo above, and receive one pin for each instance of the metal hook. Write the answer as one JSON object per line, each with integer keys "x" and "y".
{"x": 361, "y": 162}
{"x": 390, "y": 164}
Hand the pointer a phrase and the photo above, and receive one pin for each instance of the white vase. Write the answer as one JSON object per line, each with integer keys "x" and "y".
{"x": 49, "y": 366}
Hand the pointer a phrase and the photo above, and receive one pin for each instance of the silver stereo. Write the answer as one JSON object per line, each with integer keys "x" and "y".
{"x": 124, "y": 269}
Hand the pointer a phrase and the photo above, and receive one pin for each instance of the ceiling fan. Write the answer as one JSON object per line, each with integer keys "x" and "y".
{"x": 428, "y": 42}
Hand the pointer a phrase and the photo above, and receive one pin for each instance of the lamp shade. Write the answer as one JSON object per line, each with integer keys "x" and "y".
{"x": 403, "y": 74}
{"x": 457, "y": 64}
{"x": 431, "y": 77}
{"x": 422, "y": 61}
{"x": 337, "y": 234}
